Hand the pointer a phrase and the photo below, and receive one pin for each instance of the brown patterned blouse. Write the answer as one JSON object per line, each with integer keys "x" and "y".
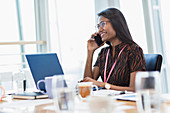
{"x": 130, "y": 60}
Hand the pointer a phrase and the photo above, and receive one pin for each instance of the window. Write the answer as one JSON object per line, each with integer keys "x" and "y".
{"x": 10, "y": 32}
{"x": 18, "y": 36}
{"x": 166, "y": 27}
{"x": 155, "y": 36}
{"x": 133, "y": 13}
{"x": 165, "y": 17}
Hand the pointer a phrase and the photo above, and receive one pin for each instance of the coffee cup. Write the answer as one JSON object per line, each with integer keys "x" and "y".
{"x": 48, "y": 86}
{"x": 85, "y": 89}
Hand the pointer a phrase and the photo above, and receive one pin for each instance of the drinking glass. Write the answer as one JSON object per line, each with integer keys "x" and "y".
{"x": 19, "y": 81}
{"x": 148, "y": 91}
{"x": 62, "y": 95}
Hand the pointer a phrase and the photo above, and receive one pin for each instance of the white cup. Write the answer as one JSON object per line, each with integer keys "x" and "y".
{"x": 148, "y": 91}
{"x": 101, "y": 104}
{"x": 48, "y": 86}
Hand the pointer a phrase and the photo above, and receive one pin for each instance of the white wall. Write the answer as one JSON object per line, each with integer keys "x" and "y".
{"x": 76, "y": 23}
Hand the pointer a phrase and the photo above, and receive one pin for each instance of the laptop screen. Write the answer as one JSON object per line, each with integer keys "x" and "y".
{"x": 43, "y": 65}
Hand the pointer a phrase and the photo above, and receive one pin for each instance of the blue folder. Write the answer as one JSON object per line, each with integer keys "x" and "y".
{"x": 43, "y": 65}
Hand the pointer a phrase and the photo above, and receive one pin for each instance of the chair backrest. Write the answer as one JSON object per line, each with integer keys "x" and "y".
{"x": 153, "y": 62}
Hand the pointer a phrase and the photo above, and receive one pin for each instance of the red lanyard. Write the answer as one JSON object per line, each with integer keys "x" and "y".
{"x": 105, "y": 81}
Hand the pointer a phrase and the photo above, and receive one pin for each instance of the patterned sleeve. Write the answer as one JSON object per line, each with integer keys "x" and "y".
{"x": 137, "y": 60}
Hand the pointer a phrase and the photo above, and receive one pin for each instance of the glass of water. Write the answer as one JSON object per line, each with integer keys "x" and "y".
{"x": 19, "y": 81}
{"x": 148, "y": 88}
{"x": 62, "y": 95}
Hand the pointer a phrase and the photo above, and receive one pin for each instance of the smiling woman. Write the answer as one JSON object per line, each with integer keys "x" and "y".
{"x": 118, "y": 63}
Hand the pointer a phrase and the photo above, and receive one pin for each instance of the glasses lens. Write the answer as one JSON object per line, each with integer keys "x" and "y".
{"x": 102, "y": 24}
{"x": 98, "y": 26}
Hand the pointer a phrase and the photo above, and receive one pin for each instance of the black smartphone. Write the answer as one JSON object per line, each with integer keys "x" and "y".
{"x": 98, "y": 39}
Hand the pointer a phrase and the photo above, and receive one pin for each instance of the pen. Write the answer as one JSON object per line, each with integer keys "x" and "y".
{"x": 24, "y": 84}
{"x": 123, "y": 92}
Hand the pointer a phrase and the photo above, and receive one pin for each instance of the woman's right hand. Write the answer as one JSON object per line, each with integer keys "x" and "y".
{"x": 91, "y": 44}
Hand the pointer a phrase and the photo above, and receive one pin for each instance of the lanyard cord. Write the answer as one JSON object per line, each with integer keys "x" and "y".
{"x": 105, "y": 81}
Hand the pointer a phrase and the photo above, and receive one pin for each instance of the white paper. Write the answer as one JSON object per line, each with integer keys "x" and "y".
{"x": 106, "y": 92}
{"x": 127, "y": 97}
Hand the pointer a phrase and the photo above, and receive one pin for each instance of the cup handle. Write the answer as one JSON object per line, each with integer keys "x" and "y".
{"x": 38, "y": 83}
{"x": 95, "y": 87}
{"x": 3, "y": 95}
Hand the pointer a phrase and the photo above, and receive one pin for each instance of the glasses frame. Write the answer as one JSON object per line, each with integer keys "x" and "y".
{"x": 99, "y": 25}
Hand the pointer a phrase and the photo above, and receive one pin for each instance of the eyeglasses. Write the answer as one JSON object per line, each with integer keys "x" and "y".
{"x": 102, "y": 24}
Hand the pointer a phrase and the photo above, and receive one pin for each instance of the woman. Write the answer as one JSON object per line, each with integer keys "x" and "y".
{"x": 118, "y": 63}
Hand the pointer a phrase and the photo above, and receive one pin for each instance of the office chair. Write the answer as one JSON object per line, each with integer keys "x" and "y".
{"x": 153, "y": 62}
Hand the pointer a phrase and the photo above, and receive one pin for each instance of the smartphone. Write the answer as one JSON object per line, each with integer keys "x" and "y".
{"x": 98, "y": 39}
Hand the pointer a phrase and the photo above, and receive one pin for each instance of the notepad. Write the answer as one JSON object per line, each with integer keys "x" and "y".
{"x": 29, "y": 95}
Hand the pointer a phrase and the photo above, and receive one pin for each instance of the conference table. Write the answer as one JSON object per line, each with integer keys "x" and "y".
{"x": 47, "y": 106}
{"x": 10, "y": 105}
{"x": 39, "y": 109}
{"x": 165, "y": 108}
